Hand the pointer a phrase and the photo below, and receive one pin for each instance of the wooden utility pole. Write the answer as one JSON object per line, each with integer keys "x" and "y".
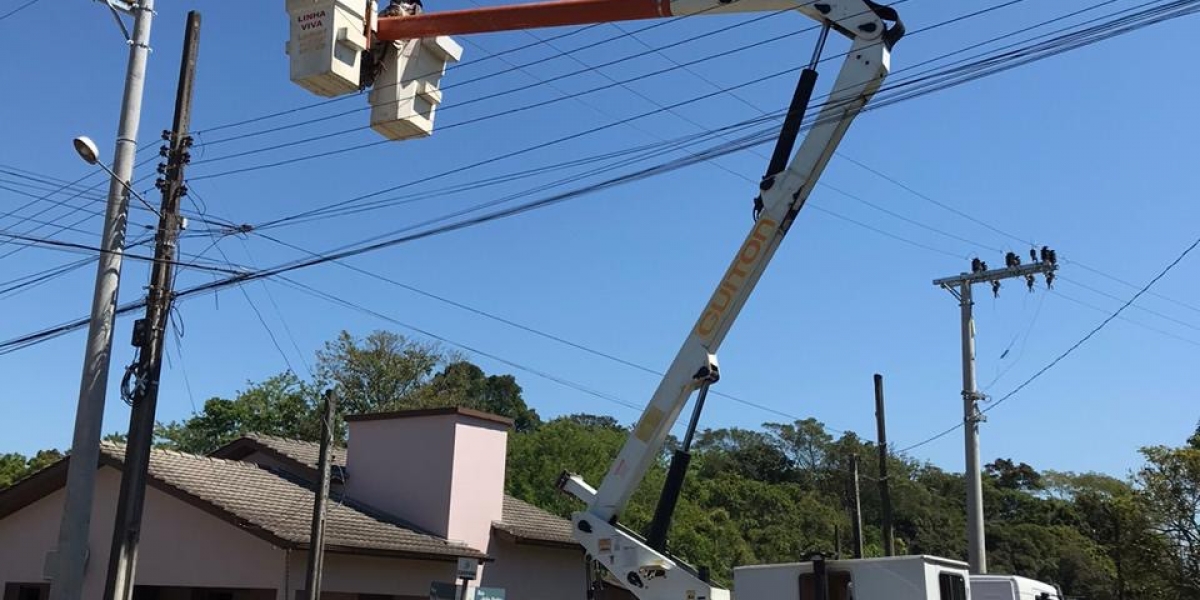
{"x": 885, "y": 493}
{"x": 855, "y": 507}
{"x": 140, "y": 386}
{"x": 316, "y": 537}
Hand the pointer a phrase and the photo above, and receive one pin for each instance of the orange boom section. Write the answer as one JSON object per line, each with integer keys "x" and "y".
{"x": 520, "y": 16}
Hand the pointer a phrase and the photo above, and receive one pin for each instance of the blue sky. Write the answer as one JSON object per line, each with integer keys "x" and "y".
{"x": 1090, "y": 152}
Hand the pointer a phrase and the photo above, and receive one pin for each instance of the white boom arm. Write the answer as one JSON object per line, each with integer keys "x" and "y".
{"x": 648, "y": 573}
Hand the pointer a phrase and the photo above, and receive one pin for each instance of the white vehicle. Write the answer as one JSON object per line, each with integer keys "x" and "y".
{"x": 1011, "y": 587}
{"x": 893, "y": 578}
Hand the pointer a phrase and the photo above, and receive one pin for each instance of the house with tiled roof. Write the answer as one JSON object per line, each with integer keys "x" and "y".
{"x": 412, "y": 493}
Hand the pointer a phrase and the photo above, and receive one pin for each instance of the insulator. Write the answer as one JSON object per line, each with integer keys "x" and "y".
{"x": 163, "y": 151}
{"x": 183, "y": 190}
{"x": 185, "y": 157}
{"x": 162, "y": 168}
{"x": 166, "y": 135}
{"x": 187, "y": 140}
{"x": 160, "y": 183}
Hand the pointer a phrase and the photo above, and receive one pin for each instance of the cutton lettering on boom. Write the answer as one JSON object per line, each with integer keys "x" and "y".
{"x": 735, "y": 276}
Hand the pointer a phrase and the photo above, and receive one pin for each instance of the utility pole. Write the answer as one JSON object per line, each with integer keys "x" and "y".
{"x": 856, "y": 507}
{"x": 960, "y": 287}
{"x": 885, "y": 493}
{"x": 316, "y": 537}
{"x": 149, "y": 334}
{"x": 70, "y": 559}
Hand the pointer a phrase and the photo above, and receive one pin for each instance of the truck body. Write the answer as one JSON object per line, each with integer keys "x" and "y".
{"x": 916, "y": 577}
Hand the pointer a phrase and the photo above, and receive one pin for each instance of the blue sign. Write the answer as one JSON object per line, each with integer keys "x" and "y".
{"x": 489, "y": 593}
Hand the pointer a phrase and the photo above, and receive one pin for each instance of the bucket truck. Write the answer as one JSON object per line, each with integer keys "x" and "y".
{"x": 643, "y": 565}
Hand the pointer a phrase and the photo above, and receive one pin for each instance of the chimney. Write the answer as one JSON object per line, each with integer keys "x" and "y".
{"x": 440, "y": 469}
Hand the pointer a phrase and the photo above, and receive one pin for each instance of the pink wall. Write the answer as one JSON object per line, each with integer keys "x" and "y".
{"x": 371, "y": 574}
{"x": 443, "y": 472}
{"x": 403, "y": 467}
{"x": 477, "y": 490}
{"x": 180, "y": 544}
{"x": 536, "y": 572}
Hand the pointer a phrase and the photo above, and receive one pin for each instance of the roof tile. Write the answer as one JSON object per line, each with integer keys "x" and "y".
{"x": 282, "y": 506}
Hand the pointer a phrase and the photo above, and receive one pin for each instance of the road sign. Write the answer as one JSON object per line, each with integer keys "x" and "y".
{"x": 467, "y": 568}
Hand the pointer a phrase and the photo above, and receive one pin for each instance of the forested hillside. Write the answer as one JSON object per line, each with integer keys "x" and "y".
{"x": 765, "y": 495}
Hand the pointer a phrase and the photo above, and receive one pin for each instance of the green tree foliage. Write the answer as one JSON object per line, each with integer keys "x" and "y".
{"x": 1170, "y": 481}
{"x": 381, "y": 372}
{"x": 758, "y": 496}
{"x": 15, "y": 467}
{"x": 282, "y": 405}
{"x": 461, "y": 383}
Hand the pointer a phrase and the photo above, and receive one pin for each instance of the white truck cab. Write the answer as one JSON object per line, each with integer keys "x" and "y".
{"x": 1011, "y": 587}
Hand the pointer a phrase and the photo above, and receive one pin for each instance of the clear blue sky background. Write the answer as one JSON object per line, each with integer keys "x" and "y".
{"x": 1091, "y": 152}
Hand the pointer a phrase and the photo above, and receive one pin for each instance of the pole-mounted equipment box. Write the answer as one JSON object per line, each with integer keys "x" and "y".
{"x": 325, "y": 44}
{"x": 407, "y": 91}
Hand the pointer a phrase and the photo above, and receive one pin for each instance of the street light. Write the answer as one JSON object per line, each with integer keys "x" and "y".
{"x": 87, "y": 149}
{"x": 90, "y": 154}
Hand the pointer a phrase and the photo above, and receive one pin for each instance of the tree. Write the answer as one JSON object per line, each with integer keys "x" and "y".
{"x": 1170, "y": 483}
{"x": 378, "y": 373}
{"x": 1011, "y": 476}
{"x": 464, "y": 384}
{"x": 753, "y": 454}
{"x": 15, "y": 467}
{"x": 381, "y": 372}
{"x": 282, "y": 405}
{"x": 12, "y": 468}
{"x": 579, "y": 444}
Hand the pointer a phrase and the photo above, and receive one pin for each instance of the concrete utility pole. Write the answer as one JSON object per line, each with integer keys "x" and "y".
{"x": 72, "y": 553}
{"x": 150, "y": 334}
{"x": 316, "y": 537}
{"x": 960, "y": 287}
{"x": 885, "y": 493}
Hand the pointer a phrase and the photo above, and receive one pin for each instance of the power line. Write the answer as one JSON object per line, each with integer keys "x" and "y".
{"x": 542, "y": 374}
{"x": 18, "y": 9}
{"x": 1071, "y": 349}
{"x": 528, "y": 149}
{"x": 499, "y": 214}
{"x": 489, "y": 75}
{"x": 494, "y": 95}
{"x": 529, "y": 329}
{"x": 32, "y": 241}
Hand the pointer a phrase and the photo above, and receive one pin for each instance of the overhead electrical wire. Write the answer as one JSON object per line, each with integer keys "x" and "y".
{"x": 473, "y": 350}
{"x": 526, "y": 328}
{"x": 483, "y": 59}
{"x": 1063, "y": 355}
{"x": 526, "y": 149}
{"x": 18, "y": 9}
{"x": 24, "y": 341}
